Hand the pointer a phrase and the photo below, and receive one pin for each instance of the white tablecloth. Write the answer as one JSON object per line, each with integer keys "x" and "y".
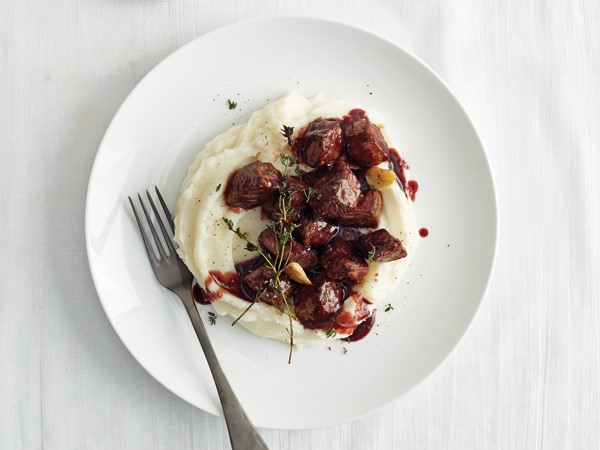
{"x": 527, "y": 373}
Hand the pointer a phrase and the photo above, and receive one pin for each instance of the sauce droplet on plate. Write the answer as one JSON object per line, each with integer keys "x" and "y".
{"x": 413, "y": 187}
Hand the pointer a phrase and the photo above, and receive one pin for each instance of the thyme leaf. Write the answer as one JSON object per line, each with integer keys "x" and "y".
{"x": 371, "y": 254}
{"x": 251, "y": 247}
{"x": 288, "y": 161}
{"x": 212, "y": 318}
{"x": 310, "y": 193}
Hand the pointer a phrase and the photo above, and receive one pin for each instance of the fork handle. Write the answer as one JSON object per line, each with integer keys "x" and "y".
{"x": 242, "y": 433}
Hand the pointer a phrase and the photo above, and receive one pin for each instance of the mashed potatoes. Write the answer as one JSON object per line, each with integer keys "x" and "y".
{"x": 207, "y": 245}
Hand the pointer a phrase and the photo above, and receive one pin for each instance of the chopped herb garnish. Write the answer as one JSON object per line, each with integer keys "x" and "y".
{"x": 388, "y": 307}
{"x": 390, "y": 166}
{"x": 287, "y": 133}
{"x": 232, "y": 105}
{"x": 331, "y": 333}
{"x": 288, "y": 161}
{"x": 212, "y": 318}
{"x": 310, "y": 193}
{"x": 313, "y": 270}
{"x": 218, "y": 188}
{"x": 371, "y": 254}
{"x": 345, "y": 350}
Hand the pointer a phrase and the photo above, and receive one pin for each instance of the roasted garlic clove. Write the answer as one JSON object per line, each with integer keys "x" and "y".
{"x": 379, "y": 178}
{"x": 296, "y": 273}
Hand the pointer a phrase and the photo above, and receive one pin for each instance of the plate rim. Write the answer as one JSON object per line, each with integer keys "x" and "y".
{"x": 355, "y": 28}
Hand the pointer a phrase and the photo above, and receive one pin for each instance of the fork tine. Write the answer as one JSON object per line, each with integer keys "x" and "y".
{"x": 165, "y": 209}
{"x": 147, "y": 243}
{"x": 159, "y": 246}
{"x": 162, "y": 226}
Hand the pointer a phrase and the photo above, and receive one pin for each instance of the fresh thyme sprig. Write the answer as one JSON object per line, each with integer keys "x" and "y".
{"x": 237, "y": 230}
{"x": 283, "y": 229}
{"x": 276, "y": 263}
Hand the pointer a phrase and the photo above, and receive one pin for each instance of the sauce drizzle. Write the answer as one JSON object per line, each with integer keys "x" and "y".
{"x": 363, "y": 329}
{"x": 229, "y": 281}
{"x": 199, "y": 295}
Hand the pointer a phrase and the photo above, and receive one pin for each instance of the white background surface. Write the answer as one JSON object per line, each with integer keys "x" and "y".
{"x": 527, "y": 374}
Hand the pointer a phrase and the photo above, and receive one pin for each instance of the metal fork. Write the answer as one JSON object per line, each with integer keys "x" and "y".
{"x": 173, "y": 274}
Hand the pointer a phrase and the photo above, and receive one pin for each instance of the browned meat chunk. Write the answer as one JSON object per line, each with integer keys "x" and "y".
{"x": 259, "y": 278}
{"x": 323, "y": 142}
{"x": 293, "y": 201}
{"x": 350, "y": 234}
{"x": 341, "y": 263}
{"x": 303, "y": 256}
{"x": 366, "y": 212}
{"x": 315, "y": 232}
{"x": 365, "y": 144}
{"x": 299, "y": 254}
{"x": 381, "y": 246}
{"x": 312, "y": 176}
{"x": 317, "y": 303}
{"x": 261, "y": 281}
{"x": 336, "y": 190}
{"x": 252, "y": 185}
{"x": 268, "y": 241}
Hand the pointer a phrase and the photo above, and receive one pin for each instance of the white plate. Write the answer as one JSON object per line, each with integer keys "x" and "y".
{"x": 181, "y": 104}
